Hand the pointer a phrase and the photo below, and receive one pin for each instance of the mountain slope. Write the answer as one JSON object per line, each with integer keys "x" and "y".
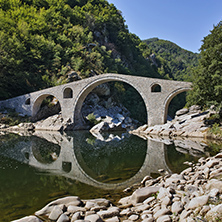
{"x": 44, "y": 41}
{"x": 171, "y": 60}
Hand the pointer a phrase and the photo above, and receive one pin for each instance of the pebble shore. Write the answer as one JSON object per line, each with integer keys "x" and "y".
{"x": 193, "y": 195}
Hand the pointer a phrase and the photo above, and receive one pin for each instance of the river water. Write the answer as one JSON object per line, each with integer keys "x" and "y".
{"x": 45, "y": 166}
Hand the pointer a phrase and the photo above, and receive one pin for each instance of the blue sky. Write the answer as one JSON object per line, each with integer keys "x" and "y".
{"x": 184, "y": 22}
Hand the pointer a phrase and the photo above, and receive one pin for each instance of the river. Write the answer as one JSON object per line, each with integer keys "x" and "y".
{"x": 44, "y": 166}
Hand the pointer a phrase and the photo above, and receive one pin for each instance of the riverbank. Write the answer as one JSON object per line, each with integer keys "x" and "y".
{"x": 193, "y": 195}
{"x": 188, "y": 123}
{"x": 192, "y": 123}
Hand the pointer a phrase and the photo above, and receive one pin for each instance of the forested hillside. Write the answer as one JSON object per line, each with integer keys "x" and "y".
{"x": 42, "y": 42}
{"x": 207, "y": 77}
{"x": 171, "y": 60}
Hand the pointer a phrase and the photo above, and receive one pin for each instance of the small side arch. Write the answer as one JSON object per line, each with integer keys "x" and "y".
{"x": 66, "y": 166}
{"x": 155, "y": 88}
{"x": 67, "y": 93}
{"x": 170, "y": 97}
{"x": 38, "y": 102}
{"x": 27, "y": 101}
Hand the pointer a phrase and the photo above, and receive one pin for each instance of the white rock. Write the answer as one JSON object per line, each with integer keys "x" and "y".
{"x": 177, "y": 207}
{"x": 190, "y": 219}
{"x": 156, "y": 208}
{"x": 165, "y": 218}
{"x": 93, "y": 218}
{"x": 212, "y": 163}
{"x": 165, "y": 201}
{"x": 143, "y": 193}
{"x": 219, "y": 155}
{"x": 125, "y": 200}
{"x": 185, "y": 214}
{"x": 204, "y": 210}
{"x": 148, "y": 220}
{"x": 161, "y": 213}
{"x": 214, "y": 192}
{"x": 89, "y": 212}
{"x": 74, "y": 209}
{"x": 113, "y": 219}
{"x": 111, "y": 212}
{"x": 141, "y": 208}
{"x": 56, "y": 212}
{"x": 134, "y": 217}
{"x": 126, "y": 211}
{"x": 145, "y": 179}
{"x": 163, "y": 192}
{"x": 182, "y": 112}
{"x": 101, "y": 202}
{"x": 63, "y": 218}
{"x": 213, "y": 183}
{"x": 206, "y": 172}
{"x": 76, "y": 216}
{"x": 66, "y": 201}
{"x": 148, "y": 200}
{"x": 144, "y": 216}
{"x": 217, "y": 173}
{"x": 197, "y": 202}
{"x": 28, "y": 219}
{"x": 215, "y": 213}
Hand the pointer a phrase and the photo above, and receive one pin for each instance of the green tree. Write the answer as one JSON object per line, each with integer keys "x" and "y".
{"x": 207, "y": 77}
{"x": 42, "y": 40}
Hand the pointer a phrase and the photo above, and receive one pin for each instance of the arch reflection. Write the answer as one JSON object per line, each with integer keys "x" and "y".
{"x": 80, "y": 157}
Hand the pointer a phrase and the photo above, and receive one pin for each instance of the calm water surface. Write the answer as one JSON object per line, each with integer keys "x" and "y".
{"x": 40, "y": 168}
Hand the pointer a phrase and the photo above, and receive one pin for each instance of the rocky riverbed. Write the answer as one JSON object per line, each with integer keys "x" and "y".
{"x": 190, "y": 122}
{"x": 193, "y": 195}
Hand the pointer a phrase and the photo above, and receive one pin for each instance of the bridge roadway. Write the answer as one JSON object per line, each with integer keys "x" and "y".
{"x": 156, "y": 93}
{"x": 154, "y": 160}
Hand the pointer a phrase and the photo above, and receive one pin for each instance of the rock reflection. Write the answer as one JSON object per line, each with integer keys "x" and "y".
{"x": 192, "y": 146}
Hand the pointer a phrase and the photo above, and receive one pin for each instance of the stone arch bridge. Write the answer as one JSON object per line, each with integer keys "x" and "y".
{"x": 156, "y": 94}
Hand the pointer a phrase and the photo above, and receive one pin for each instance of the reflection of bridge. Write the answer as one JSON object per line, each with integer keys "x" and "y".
{"x": 156, "y": 93}
{"x": 68, "y": 166}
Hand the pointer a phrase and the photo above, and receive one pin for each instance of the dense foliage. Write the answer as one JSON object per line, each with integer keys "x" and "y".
{"x": 42, "y": 41}
{"x": 207, "y": 78}
{"x": 171, "y": 60}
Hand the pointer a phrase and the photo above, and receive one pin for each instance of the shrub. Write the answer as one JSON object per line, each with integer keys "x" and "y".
{"x": 92, "y": 119}
{"x": 216, "y": 130}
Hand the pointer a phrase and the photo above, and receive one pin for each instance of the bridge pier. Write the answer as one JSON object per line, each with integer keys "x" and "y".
{"x": 156, "y": 110}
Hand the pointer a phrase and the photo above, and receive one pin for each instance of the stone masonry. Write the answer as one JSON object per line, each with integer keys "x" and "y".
{"x": 156, "y": 93}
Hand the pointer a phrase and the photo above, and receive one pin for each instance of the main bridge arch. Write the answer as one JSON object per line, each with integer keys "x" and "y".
{"x": 93, "y": 84}
{"x": 156, "y": 93}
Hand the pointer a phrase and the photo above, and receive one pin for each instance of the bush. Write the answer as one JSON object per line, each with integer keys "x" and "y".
{"x": 92, "y": 119}
{"x": 216, "y": 130}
